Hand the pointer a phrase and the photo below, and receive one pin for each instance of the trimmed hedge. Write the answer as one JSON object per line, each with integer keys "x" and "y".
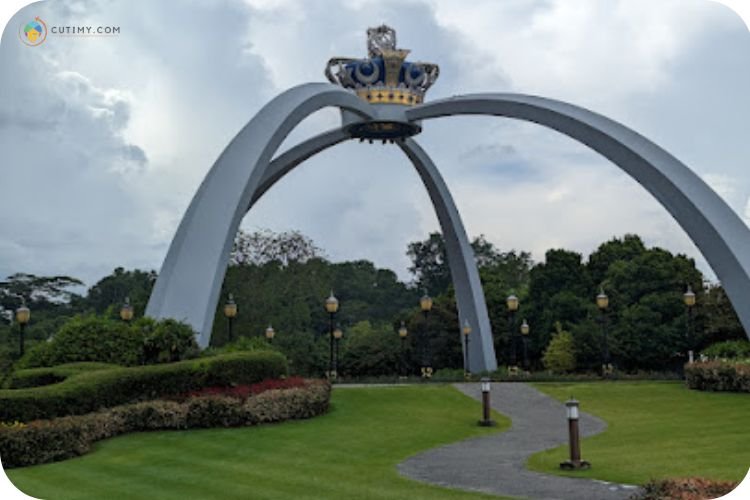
{"x": 718, "y": 376}
{"x": 93, "y": 390}
{"x": 36, "y": 377}
{"x": 693, "y": 488}
{"x": 51, "y": 440}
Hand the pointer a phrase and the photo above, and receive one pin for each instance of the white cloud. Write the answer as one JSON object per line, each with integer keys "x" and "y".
{"x": 115, "y": 135}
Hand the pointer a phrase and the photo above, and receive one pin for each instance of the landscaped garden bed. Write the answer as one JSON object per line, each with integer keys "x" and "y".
{"x": 719, "y": 375}
{"x": 88, "y": 391}
{"x": 685, "y": 489}
{"x": 42, "y": 441}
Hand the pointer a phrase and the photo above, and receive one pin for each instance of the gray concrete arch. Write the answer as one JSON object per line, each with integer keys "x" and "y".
{"x": 190, "y": 279}
{"x": 714, "y": 227}
{"x": 470, "y": 300}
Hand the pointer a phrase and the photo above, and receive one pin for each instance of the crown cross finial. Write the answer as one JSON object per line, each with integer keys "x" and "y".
{"x": 385, "y": 76}
{"x": 379, "y": 39}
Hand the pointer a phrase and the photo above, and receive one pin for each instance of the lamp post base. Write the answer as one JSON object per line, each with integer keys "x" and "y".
{"x": 578, "y": 465}
{"x": 487, "y": 423}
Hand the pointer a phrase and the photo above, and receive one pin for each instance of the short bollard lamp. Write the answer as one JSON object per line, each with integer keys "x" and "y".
{"x": 270, "y": 334}
{"x": 230, "y": 311}
{"x": 486, "y": 420}
{"x": 126, "y": 311}
{"x": 575, "y": 462}
{"x": 23, "y": 315}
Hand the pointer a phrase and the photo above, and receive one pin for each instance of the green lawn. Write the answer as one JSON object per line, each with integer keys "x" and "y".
{"x": 349, "y": 453}
{"x": 656, "y": 429}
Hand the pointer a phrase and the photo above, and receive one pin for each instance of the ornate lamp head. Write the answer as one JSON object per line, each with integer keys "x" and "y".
{"x": 385, "y": 76}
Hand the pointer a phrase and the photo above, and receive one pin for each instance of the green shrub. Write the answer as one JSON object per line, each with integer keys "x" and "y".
{"x": 449, "y": 375}
{"x": 91, "y": 338}
{"x": 89, "y": 391}
{"x": 103, "y": 339}
{"x": 244, "y": 344}
{"x": 559, "y": 357}
{"x": 730, "y": 349}
{"x": 166, "y": 341}
{"x": 38, "y": 355}
{"x": 35, "y": 377}
{"x": 51, "y": 440}
{"x": 718, "y": 376}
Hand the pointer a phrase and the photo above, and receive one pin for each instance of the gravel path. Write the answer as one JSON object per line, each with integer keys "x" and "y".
{"x": 495, "y": 464}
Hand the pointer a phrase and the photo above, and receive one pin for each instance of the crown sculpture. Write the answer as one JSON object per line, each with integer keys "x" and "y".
{"x": 384, "y": 77}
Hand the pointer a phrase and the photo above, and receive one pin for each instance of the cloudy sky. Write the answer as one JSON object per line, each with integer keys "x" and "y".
{"x": 105, "y": 140}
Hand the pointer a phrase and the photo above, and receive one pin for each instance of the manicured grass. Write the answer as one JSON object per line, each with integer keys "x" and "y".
{"x": 349, "y": 453}
{"x": 656, "y": 430}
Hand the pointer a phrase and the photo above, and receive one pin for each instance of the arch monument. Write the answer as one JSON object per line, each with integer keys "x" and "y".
{"x": 381, "y": 98}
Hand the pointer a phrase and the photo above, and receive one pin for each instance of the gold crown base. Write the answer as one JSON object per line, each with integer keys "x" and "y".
{"x": 386, "y": 95}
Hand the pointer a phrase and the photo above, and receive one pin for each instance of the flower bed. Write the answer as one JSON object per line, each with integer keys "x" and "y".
{"x": 685, "y": 489}
{"x": 43, "y": 441}
{"x": 245, "y": 391}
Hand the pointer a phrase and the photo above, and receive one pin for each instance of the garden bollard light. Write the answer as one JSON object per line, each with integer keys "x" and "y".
{"x": 575, "y": 461}
{"x": 486, "y": 420}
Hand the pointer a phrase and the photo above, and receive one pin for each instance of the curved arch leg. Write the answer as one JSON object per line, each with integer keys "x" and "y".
{"x": 190, "y": 280}
{"x": 472, "y": 307}
{"x": 469, "y": 294}
{"x": 718, "y": 232}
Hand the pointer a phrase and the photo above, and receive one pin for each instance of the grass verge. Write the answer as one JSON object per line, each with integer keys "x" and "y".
{"x": 351, "y": 452}
{"x": 656, "y": 430}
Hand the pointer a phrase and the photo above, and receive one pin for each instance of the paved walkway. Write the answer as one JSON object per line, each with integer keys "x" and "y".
{"x": 495, "y": 464}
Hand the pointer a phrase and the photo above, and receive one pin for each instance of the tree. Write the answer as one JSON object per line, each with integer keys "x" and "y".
{"x": 559, "y": 357}
{"x": 429, "y": 264}
{"x": 432, "y": 273}
{"x": 560, "y": 290}
{"x": 716, "y": 319}
{"x": 39, "y": 292}
{"x": 110, "y": 292}
{"x": 369, "y": 350}
{"x": 264, "y": 246}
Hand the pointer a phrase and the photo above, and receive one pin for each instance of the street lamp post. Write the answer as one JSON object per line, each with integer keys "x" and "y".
{"x": 270, "y": 334}
{"x": 402, "y": 333}
{"x": 525, "y": 338}
{"x": 689, "y": 299}
{"x": 23, "y": 315}
{"x": 575, "y": 461}
{"x": 337, "y": 334}
{"x": 126, "y": 311}
{"x": 230, "y": 312}
{"x": 425, "y": 303}
{"x": 332, "y": 306}
{"x": 512, "y": 304}
{"x": 466, "y": 331}
{"x": 602, "y": 302}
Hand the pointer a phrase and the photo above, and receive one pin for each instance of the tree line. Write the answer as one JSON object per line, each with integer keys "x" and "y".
{"x": 283, "y": 279}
